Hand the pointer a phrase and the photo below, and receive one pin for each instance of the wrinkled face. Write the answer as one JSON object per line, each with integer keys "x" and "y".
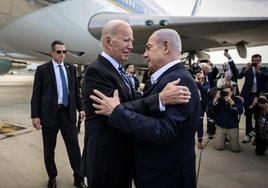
{"x": 131, "y": 69}
{"x": 58, "y": 53}
{"x": 121, "y": 44}
{"x": 153, "y": 54}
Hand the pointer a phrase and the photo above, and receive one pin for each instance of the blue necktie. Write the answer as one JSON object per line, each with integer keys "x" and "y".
{"x": 65, "y": 100}
{"x": 125, "y": 78}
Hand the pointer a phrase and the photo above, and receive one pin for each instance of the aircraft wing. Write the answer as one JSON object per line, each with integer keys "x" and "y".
{"x": 197, "y": 33}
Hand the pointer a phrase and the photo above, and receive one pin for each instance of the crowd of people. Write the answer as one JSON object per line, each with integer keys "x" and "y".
{"x": 224, "y": 103}
{"x": 147, "y": 135}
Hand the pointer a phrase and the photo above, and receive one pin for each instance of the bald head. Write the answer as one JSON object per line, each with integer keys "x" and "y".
{"x": 170, "y": 35}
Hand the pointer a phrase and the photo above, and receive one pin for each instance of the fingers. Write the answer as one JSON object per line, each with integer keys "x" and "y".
{"x": 175, "y": 82}
{"x": 95, "y": 99}
{"x": 116, "y": 93}
{"x": 99, "y": 94}
{"x": 97, "y": 106}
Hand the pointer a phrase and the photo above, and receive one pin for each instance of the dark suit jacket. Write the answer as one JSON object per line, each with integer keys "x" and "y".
{"x": 261, "y": 77}
{"x": 44, "y": 102}
{"x": 164, "y": 143}
{"x": 108, "y": 150}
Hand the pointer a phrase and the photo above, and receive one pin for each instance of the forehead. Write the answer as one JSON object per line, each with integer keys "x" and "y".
{"x": 59, "y": 46}
{"x": 256, "y": 58}
{"x": 124, "y": 30}
{"x": 151, "y": 40}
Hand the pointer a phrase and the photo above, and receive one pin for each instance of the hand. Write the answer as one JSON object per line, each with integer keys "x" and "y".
{"x": 36, "y": 123}
{"x": 217, "y": 96}
{"x": 258, "y": 68}
{"x": 229, "y": 100}
{"x": 248, "y": 66}
{"x": 255, "y": 101}
{"x": 104, "y": 105}
{"x": 82, "y": 115}
{"x": 174, "y": 93}
{"x": 226, "y": 54}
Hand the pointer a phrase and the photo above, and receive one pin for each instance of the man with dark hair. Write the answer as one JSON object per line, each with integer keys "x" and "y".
{"x": 256, "y": 77}
{"x": 130, "y": 69}
{"x": 227, "y": 107}
{"x": 54, "y": 102}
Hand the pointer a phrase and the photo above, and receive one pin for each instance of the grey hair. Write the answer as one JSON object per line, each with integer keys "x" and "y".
{"x": 171, "y": 35}
{"x": 110, "y": 28}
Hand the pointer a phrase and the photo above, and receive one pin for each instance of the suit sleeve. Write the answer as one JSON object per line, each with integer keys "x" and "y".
{"x": 157, "y": 129}
{"x": 147, "y": 105}
{"x": 95, "y": 79}
{"x": 78, "y": 97}
{"x": 36, "y": 94}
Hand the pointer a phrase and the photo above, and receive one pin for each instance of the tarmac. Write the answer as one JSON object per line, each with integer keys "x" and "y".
{"x": 21, "y": 153}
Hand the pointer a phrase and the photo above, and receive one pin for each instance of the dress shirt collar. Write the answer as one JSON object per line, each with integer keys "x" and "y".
{"x": 55, "y": 65}
{"x": 111, "y": 60}
{"x": 160, "y": 71}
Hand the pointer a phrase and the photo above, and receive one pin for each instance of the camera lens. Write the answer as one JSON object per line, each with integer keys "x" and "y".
{"x": 261, "y": 101}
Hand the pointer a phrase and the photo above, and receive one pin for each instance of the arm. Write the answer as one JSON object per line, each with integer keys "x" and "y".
{"x": 161, "y": 129}
{"x": 36, "y": 99}
{"x": 36, "y": 94}
{"x": 171, "y": 94}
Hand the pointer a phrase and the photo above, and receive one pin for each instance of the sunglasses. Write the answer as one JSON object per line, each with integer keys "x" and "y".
{"x": 61, "y": 51}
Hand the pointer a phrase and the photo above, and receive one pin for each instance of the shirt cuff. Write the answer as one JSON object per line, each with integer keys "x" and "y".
{"x": 162, "y": 107}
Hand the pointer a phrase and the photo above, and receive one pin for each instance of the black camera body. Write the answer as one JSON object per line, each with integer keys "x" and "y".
{"x": 224, "y": 93}
{"x": 262, "y": 100}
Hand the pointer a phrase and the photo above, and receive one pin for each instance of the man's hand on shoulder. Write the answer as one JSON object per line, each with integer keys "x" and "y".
{"x": 104, "y": 105}
{"x": 174, "y": 93}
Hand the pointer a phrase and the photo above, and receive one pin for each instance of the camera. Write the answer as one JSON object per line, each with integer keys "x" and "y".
{"x": 262, "y": 100}
{"x": 224, "y": 93}
{"x": 203, "y": 61}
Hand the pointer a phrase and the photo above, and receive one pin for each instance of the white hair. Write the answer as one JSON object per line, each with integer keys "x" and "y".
{"x": 171, "y": 35}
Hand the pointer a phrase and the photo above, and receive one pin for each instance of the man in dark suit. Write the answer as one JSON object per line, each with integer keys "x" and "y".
{"x": 55, "y": 99}
{"x": 164, "y": 142}
{"x": 255, "y": 79}
{"x": 108, "y": 151}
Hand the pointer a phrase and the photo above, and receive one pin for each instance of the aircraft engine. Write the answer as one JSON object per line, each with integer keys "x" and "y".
{"x": 9, "y": 65}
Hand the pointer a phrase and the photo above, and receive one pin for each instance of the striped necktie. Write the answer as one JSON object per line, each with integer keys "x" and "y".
{"x": 125, "y": 78}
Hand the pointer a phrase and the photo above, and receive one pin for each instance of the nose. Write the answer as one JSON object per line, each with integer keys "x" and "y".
{"x": 145, "y": 54}
{"x": 130, "y": 45}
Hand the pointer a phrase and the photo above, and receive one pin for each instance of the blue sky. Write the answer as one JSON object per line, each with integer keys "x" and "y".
{"x": 223, "y": 8}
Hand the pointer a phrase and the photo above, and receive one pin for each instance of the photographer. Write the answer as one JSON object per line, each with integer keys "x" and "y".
{"x": 203, "y": 88}
{"x": 229, "y": 74}
{"x": 227, "y": 107}
{"x": 260, "y": 107}
{"x": 256, "y": 77}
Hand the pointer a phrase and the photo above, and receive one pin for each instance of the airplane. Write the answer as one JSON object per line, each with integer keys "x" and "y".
{"x": 78, "y": 24}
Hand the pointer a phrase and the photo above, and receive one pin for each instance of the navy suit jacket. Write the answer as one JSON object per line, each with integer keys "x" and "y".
{"x": 261, "y": 78}
{"x": 108, "y": 150}
{"x": 164, "y": 143}
{"x": 44, "y": 102}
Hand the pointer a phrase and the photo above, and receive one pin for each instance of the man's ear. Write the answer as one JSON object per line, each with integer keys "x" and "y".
{"x": 166, "y": 46}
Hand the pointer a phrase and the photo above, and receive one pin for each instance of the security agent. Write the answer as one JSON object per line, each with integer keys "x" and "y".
{"x": 54, "y": 102}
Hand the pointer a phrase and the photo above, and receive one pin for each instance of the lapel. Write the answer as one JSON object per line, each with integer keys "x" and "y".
{"x": 116, "y": 75}
{"x": 52, "y": 73}
{"x": 152, "y": 86}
